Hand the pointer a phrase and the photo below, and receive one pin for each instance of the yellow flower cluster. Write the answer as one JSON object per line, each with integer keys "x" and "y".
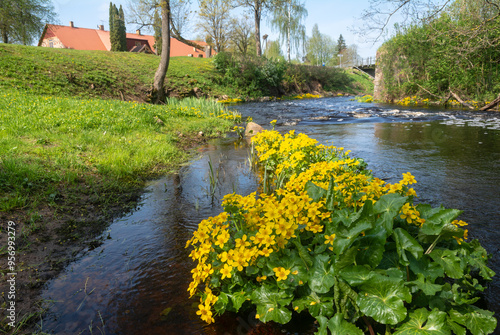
{"x": 252, "y": 228}
{"x": 415, "y": 101}
{"x": 365, "y": 98}
{"x": 291, "y": 153}
{"x": 306, "y": 96}
{"x": 270, "y": 222}
{"x": 230, "y": 101}
{"x": 458, "y": 224}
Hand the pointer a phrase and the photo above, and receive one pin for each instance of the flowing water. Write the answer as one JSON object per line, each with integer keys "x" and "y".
{"x": 136, "y": 281}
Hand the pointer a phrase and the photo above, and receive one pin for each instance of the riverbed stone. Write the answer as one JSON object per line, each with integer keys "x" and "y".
{"x": 252, "y": 129}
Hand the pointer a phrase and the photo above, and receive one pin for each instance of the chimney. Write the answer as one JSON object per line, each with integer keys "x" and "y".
{"x": 101, "y": 27}
{"x": 138, "y": 31}
{"x": 71, "y": 24}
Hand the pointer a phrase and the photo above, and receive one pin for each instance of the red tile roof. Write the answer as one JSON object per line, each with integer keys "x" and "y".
{"x": 96, "y": 39}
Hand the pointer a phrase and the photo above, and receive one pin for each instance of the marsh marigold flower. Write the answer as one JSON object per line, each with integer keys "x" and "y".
{"x": 281, "y": 273}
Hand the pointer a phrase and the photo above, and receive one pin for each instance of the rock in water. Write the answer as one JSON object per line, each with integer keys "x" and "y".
{"x": 252, "y": 129}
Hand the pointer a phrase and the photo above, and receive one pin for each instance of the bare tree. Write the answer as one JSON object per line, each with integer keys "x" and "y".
{"x": 241, "y": 34}
{"x": 161, "y": 72}
{"x": 257, "y": 9}
{"x": 377, "y": 18}
{"x": 142, "y": 14}
{"x": 215, "y": 21}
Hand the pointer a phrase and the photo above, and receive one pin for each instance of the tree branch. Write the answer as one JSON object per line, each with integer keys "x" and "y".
{"x": 175, "y": 34}
{"x": 461, "y": 101}
{"x": 491, "y": 104}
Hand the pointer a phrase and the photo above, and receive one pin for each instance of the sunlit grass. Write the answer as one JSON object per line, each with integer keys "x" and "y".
{"x": 49, "y": 142}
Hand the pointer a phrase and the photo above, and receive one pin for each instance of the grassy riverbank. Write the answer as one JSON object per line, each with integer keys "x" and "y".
{"x": 77, "y": 144}
{"x": 128, "y": 76}
{"x": 69, "y": 165}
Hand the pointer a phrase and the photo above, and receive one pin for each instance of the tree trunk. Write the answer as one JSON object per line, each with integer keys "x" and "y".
{"x": 257, "y": 12}
{"x": 491, "y": 104}
{"x": 5, "y": 36}
{"x": 161, "y": 72}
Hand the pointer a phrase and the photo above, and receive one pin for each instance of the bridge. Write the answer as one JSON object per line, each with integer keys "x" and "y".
{"x": 366, "y": 65}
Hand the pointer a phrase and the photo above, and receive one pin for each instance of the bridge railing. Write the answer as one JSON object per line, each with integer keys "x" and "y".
{"x": 359, "y": 62}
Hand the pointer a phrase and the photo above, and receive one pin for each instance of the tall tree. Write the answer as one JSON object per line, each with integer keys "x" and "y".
{"x": 320, "y": 48}
{"x": 161, "y": 72}
{"x": 142, "y": 14}
{"x": 341, "y": 46}
{"x": 22, "y": 21}
{"x": 258, "y": 9}
{"x": 241, "y": 36}
{"x": 215, "y": 21}
{"x": 122, "y": 30}
{"x": 157, "y": 33}
{"x": 287, "y": 17}
{"x": 114, "y": 24}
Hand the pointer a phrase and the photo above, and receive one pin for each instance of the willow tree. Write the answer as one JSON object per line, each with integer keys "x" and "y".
{"x": 287, "y": 18}
{"x": 22, "y": 21}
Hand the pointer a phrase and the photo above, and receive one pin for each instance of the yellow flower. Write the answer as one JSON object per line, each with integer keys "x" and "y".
{"x": 408, "y": 179}
{"x": 281, "y": 273}
{"x": 226, "y": 271}
{"x": 205, "y": 313}
{"x": 259, "y": 279}
{"x": 329, "y": 239}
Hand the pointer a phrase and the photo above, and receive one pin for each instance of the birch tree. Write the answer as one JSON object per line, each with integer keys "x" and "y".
{"x": 287, "y": 18}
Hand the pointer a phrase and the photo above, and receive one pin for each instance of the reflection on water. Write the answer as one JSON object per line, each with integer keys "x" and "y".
{"x": 136, "y": 282}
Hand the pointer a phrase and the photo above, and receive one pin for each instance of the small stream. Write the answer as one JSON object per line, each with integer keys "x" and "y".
{"x": 136, "y": 281}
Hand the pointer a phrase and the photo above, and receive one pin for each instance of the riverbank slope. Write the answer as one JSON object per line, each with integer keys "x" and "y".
{"x": 78, "y": 142}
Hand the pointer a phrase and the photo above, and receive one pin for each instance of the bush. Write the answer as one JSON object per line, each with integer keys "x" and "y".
{"x": 331, "y": 240}
{"x": 252, "y": 76}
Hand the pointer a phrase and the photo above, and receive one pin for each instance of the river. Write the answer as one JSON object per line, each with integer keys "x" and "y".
{"x": 136, "y": 281}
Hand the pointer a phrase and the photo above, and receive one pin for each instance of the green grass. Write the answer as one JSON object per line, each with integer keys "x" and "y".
{"x": 65, "y": 72}
{"x": 48, "y": 144}
{"x": 362, "y": 82}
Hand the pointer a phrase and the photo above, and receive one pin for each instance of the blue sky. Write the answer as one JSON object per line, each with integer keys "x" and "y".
{"x": 333, "y": 18}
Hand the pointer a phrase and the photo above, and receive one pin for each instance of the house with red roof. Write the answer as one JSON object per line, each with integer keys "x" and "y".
{"x": 71, "y": 37}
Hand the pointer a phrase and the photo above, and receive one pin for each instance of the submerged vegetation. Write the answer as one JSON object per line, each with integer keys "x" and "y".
{"x": 329, "y": 239}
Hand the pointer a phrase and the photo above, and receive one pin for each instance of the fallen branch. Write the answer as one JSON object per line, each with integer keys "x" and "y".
{"x": 491, "y": 104}
{"x": 461, "y": 101}
{"x": 437, "y": 96}
{"x": 434, "y": 95}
